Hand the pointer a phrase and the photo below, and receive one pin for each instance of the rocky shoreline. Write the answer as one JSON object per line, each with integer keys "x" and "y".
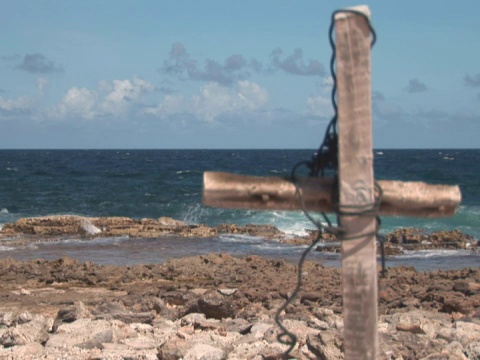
{"x": 217, "y": 306}
{"x": 220, "y": 307}
{"x": 50, "y": 228}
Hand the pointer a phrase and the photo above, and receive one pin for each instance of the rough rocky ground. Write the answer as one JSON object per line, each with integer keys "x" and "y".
{"x": 217, "y": 306}
{"x": 220, "y": 307}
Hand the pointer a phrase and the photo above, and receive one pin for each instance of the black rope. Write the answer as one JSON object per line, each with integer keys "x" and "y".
{"x": 327, "y": 155}
{"x": 286, "y": 336}
{"x": 326, "y": 159}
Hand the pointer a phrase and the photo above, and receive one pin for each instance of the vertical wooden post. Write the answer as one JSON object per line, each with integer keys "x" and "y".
{"x": 356, "y": 184}
{"x": 356, "y": 188}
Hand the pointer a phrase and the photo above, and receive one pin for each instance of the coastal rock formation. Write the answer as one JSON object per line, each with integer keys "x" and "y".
{"x": 103, "y": 226}
{"x": 51, "y": 227}
{"x": 414, "y": 239}
{"x": 396, "y": 242}
{"x": 217, "y": 306}
{"x": 67, "y": 225}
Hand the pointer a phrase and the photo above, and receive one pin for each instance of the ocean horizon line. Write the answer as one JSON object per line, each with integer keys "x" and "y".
{"x": 219, "y": 149}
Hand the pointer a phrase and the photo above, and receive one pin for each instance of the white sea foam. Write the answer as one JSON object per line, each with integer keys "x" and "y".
{"x": 115, "y": 241}
{"x": 6, "y": 248}
{"x": 186, "y": 171}
{"x": 279, "y": 247}
{"x": 4, "y": 211}
{"x": 426, "y": 254}
{"x": 278, "y": 171}
{"x": 81, "y": 242}
{"x": 297, "y": 230}
{"x": 240, "y": 238}
{"x": 89, "y": 228}
{"x": 291, "y": 223}
{"x": 194, "y": 214}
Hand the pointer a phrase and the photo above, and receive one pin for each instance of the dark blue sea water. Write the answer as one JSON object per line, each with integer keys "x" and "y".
{"x": 154, "y": 183}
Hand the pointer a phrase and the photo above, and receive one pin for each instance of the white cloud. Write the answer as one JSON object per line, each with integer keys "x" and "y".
{"x": 171, "y": 104}
{"x": 41, "y": 84}
{"x": 122, "y": 98}
{"x": 76, "y": 102}
{"x": 320, "y": 104}
{"x": 252, "y": 95}
{"x": 123, "y": 94}
{"x": 20, "y": 105}
{"x": 109, "y": 99}
{"x": 214, "y": 100}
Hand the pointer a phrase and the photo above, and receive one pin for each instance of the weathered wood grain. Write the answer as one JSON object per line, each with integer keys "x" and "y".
{"x": 356, "y": 186}
{"x": 416, "y": 199}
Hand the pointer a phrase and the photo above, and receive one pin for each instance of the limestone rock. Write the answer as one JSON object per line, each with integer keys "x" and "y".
{"x": 7, "y": 318}
{"x": 238, "y": 325}
{"x": 24, "y": 317}
{"x": 301, "y": 330}
{"x": 227, "y": 292}
{"x": 83, "y": 333}
{"x": 407, "y": 345}
{"x": 326, "y": 345}
{"x": 452, "y": 351}
{"x": 174, "y": 349}
{"x": 192, "y": 319}
{"x": 273, "y": 351}
{"x": 467, "y": 287}
{"x": 117, "y": 311}
{"x": 70, "y": 314}
{"x": 129, "y": 317}
{"x": 140, "y": 343}
{"x": 247, "y": 350}
{"x": 259, "y": 329}
{"x": 204, "y": 351}
{"x": 418, "y": 322}
{"x": 467, "y": 333}
{"x": 21, "y": 352}
{"x": 34, "y": 331}
{"x": 213, "y": 306}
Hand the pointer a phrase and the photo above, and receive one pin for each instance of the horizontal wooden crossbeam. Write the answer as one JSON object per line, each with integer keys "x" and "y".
{"x": 399, "y": 198}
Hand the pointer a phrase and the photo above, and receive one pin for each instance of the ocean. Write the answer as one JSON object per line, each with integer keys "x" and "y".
{"x": 155, "y": 183}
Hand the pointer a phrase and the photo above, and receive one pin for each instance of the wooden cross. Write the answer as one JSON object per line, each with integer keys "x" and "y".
{"x": 355, "y": 187}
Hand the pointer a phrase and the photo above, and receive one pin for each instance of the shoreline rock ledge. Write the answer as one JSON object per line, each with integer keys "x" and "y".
{"x": 88, "y": 227}
{"x": 48, "y": 227}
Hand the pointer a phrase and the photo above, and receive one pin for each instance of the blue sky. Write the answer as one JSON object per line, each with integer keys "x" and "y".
{"x": 228, "y": 74}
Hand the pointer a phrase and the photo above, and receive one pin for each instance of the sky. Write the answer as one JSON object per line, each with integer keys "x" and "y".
{"x": 228, "y": 74}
